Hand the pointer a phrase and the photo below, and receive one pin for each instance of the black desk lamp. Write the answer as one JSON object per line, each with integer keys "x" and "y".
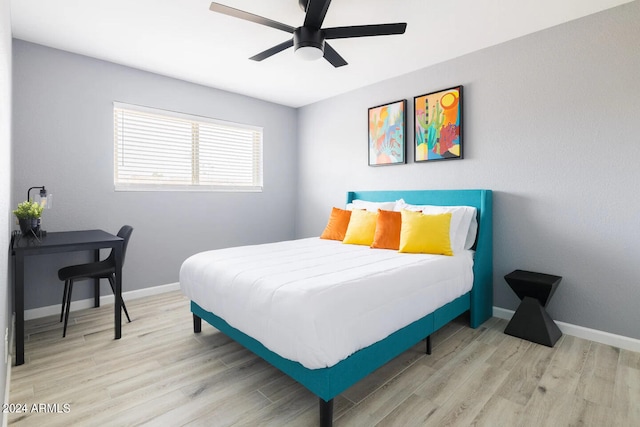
{"x": 43, "y": 197}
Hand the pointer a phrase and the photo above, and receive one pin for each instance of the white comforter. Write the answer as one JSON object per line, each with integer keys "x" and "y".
{"x": 318, "y": 301}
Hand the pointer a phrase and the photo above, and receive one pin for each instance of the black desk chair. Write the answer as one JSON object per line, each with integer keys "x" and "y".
{"x": 94, "y": 270}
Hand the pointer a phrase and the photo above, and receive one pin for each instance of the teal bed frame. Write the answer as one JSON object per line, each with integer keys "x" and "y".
{"x": 328, "y": 383}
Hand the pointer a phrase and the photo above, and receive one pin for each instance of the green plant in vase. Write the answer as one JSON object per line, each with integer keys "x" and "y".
{"x": 28, "y": 214}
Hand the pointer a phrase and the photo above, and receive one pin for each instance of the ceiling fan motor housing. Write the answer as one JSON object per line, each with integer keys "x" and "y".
{"x": 308, "y": 37}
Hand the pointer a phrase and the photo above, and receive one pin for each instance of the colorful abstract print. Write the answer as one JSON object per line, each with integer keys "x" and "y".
{"x": 437, "y": 122}
{"x": 386, "y": 134}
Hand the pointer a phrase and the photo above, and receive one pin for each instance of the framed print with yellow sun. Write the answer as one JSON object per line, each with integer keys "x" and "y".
{"x": 438, "y": 125}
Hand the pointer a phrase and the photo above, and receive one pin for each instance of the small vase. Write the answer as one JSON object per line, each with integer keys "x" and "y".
{"x": 29, "y": 225}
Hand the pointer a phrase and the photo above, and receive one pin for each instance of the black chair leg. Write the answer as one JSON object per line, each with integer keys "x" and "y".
{"x": 66, "y": 316}
{"x": 124, "y": 307}
{"x": 64, "y": 299}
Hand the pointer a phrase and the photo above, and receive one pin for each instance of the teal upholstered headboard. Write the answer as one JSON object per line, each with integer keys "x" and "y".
{"x": 482, "y": 200}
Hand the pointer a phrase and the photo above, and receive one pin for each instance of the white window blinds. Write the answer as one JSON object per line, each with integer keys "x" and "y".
{"x": 164, "y": 150}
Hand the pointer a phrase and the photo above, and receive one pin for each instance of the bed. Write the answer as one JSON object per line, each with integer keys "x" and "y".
{"x": 315, "y": 350}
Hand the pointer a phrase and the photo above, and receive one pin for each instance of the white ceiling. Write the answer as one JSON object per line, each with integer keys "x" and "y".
{"x": 183, "y": 39}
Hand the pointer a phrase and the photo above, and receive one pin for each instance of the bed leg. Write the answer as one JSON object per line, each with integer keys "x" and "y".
{"x": 428, "y": 340}
{"x": 197, "y": 324}
{"x": 326, "y": 413}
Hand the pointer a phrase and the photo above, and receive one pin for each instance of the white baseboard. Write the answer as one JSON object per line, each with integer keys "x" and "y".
{"x": 601, "y": 337}
{"x": 50, "y": 310}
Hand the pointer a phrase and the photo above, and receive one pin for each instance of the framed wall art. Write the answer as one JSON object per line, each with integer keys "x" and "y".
{"x": 438, "y": 125}
{"x": 387, "y": 130}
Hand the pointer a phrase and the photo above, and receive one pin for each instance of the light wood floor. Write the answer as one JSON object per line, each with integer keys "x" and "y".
{"x": 162, "y": 374}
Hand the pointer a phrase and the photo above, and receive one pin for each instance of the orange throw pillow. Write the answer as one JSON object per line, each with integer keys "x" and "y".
{"x": 387, "y": 230}
{"x": 337, "y": 226}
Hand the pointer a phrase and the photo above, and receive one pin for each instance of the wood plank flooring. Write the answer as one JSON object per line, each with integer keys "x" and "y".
{"x": 162, "y": 374}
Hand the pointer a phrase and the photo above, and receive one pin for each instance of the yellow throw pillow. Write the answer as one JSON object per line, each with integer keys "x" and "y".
{"x": 337, "y": 225}
{"x": 425, "y": 234}
{"x": 388, "y": 227}
{"x": 362, "y": 228}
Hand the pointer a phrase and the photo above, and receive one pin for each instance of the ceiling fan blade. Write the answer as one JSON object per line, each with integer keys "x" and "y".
{"x": 333, "y": 57}
{"x": 236, "y": 13}
{"x": 272, "y": 51}
{"x": 364, "y": 31}
{"x": 316, "y": 11}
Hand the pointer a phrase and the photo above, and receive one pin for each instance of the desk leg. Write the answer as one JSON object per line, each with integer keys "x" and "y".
{"x": 118, "y": 291}
{"x": 18, "y": 295}
{"x": 96, "y": 282}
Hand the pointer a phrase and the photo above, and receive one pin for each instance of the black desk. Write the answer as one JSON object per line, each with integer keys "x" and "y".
{"x": 66, "y": 241}
{"x": 531, "y": 321}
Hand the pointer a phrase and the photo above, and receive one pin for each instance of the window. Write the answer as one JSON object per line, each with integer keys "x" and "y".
{"x": 163, "y": 150}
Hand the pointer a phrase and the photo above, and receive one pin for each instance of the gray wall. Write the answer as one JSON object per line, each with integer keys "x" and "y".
{"x": 551, "y": 125}
{"x": 5, "y": 178}
{"x": 63, "y": 139}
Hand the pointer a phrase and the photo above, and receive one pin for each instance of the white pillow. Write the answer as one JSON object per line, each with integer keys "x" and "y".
{"x": 371, "y": 206}
{"x": 463, "y": 228}
{"x": 473, "y": 230}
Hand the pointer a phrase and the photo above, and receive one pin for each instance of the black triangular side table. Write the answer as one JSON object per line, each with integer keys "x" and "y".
{"x": 531, "y": 321}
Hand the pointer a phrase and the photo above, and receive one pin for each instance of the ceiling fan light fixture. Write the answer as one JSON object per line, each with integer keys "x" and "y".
{"x": 309, "y": 53}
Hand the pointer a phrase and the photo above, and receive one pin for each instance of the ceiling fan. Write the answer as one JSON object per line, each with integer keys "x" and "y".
{"x": 309, "y": 40}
